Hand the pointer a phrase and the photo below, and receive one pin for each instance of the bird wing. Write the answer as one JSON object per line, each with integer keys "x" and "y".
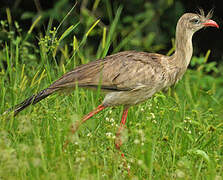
{"x": 124, "y": 71}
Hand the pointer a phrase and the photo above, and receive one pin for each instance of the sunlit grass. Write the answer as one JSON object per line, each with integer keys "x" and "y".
{"x": 164, "y": 139}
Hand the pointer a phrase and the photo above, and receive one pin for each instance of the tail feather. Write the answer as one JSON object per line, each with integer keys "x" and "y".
{"x": 31, "y": 100}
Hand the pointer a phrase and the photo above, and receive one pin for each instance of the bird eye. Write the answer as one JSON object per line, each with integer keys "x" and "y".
{"x": 195, "y": 21}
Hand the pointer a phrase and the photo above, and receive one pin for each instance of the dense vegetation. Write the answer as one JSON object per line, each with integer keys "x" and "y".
{"x": 174, "y": 135}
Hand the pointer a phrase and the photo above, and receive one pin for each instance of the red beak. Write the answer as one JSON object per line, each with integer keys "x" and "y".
{"x": 211, "y": 23}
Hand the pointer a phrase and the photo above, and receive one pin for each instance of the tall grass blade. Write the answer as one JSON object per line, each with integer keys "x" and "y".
{"x": 112, "y": 31}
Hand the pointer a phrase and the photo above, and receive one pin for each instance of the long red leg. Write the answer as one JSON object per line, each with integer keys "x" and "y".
{"x": 75, "y": 127}
{"x": 118, "y": 141}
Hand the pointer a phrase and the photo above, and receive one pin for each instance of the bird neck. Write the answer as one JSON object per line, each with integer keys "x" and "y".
{"x": 184, "y": 48}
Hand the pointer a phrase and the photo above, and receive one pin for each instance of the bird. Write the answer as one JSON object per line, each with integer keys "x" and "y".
{"x": 130, "y": 77}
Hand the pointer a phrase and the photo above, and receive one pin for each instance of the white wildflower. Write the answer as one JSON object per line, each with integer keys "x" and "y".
{"x": 112, "y": 120}
{"x": 140, "y": 162}
{"x": 152, "y": 115}
{"x": 154, "y": 121}
{"x": 76, "y": 143}
{"x": 136, "y": 141}
{"x": 89, "y": 135}
{"x": 109, "y": 134}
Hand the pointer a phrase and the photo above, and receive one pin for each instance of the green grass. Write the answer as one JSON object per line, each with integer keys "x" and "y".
{"x": 176, "y": 135}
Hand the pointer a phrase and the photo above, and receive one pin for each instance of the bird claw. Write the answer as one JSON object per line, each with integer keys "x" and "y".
{"x": 118, "y": 143}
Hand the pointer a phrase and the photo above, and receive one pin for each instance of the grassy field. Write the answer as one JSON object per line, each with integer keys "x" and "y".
{"x": 174, "y": 135}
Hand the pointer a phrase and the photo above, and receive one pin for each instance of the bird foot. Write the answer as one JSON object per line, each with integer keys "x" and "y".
{"x": 125, "y": 163}
{"x": 118, "y": 143}
{"x": 74, "y": 128}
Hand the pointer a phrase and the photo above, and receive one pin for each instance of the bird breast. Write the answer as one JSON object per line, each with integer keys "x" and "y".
{"x": 128, "y": 97}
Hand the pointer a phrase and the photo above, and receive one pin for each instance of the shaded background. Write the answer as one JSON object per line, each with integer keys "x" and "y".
{"x": 154, "y": 37}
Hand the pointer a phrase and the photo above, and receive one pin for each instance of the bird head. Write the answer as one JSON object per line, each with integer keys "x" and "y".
{"x": 191, "y": 22}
